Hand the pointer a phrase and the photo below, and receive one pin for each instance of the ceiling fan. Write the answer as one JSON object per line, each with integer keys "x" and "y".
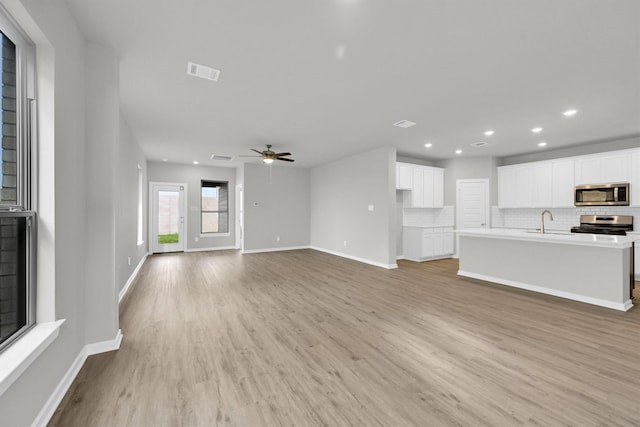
{"x": 268, "y": 156}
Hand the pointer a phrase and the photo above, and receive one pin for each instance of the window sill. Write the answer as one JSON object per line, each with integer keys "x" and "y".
{"x": 215, "y": 235}
{"x": 17, "y": 358}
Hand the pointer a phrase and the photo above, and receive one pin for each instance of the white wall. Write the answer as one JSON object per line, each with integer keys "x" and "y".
{"x": 130, "y": 155}
{"x": 276, "y": 204}
{"x": 103, "y": 122}
{"x": 469, "y": 168}
{"x": 192, "y": 175}
{"x": 340, "y": 194}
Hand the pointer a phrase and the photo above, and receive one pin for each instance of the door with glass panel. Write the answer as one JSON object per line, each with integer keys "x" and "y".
{"x": 167, "y": 217}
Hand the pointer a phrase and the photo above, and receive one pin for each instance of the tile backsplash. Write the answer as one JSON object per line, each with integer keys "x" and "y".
{"x": 438, "y": 217}
{"x": 563, "y": 218}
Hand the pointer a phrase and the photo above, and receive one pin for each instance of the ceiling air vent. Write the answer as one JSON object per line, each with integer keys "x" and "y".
{"x": 404, "y": 124}
{"x": 221, "y": 157}
{"x": 203, "y": 71}
{"x": 479, "y": 144}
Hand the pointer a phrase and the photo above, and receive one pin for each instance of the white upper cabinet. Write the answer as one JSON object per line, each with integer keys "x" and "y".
{"x": 543, "y": 185}
{"x": 562, "y": 184}
{"x": 602, "y": 169}
{"x": 404, "y": 176}
{"x": 425, "y": 182}
{"x": 524, "y": 185}
{"x": 506, "y": 187}
{"x": 635, "y": 189}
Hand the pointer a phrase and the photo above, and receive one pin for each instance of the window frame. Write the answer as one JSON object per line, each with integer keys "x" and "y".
{"x": 213, "y": 183}
{"x": 26, "y": 161}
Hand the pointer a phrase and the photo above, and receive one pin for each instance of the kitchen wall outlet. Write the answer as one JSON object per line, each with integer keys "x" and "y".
{"x": 196, "y": 239}
{"x": 370, "y": 208}
{"x": 277, "y": 238}
{"x": 255, "y": 203}
{"x": 129, "y": 260}
{"x": 345, "y": 243}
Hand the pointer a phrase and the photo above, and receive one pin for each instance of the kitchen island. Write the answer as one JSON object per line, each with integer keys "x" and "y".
{"x": 590, "y": 268}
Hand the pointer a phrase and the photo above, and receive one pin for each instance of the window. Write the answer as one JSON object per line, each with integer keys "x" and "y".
{"x": 215, "y": 207}
{"x": 17, "y": 214}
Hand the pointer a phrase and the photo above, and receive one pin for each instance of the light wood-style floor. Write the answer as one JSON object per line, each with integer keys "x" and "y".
{"x": 303, "y": 338}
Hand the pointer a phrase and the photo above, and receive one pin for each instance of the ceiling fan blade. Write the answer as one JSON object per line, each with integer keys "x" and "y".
{"x": 259, "y": 152}
{"x": 283, "y": 159}
{"x": 283, "y": 154}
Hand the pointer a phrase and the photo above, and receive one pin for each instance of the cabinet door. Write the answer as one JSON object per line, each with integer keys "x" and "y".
{"x": 427, "y": 244}
{"x": 448, "y": 243}
{"x": 635, "y": 191}
{"x": 438, "y": 187}
{"x": 524, "y": 186}
{"x": 405, "y": 176}
{"x": 542, "y": 185}
{"x": 506, "y": 187}
{"x": 438, "y": 244}
{"x": 427, "y": 187}
{"x": 588, "y": 171}
{"x": 563, "y": 186}
{"x": 417, "y": 190}
{"x": 615, "y": 168}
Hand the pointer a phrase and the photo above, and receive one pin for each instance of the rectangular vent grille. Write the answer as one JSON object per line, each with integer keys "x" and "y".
{"x": 404, "y": 124}
{"x": 479, "y": 144}
{"x": 221, "y": 157}
{"x": 203, "y": 71}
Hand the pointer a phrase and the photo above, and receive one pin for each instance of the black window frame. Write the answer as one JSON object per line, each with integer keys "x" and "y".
{"x": 23, "y": 211}
{"x": 211, "y": 184}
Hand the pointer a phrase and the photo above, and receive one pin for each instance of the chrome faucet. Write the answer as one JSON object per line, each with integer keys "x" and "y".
{"x": 542, "y": 219}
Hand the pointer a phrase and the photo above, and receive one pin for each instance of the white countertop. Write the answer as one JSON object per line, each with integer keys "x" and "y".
{"x": 559, "y": 237}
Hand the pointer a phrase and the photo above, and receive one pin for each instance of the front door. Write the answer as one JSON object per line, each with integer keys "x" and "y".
{"x": 167, "y": 217}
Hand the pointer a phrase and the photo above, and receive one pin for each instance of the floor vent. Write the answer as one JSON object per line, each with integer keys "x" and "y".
{"x": 203, "y": 71}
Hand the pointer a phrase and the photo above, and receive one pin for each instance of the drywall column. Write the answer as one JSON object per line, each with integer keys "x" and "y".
{"x": 103, "y": 120}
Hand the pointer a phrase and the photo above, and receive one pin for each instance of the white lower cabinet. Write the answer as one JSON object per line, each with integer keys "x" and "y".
{"x": 424, "y": 243}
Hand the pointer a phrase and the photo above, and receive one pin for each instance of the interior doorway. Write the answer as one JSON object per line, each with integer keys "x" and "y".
{"x": 167, "y": 222}
{"x": 472, "y": 205}
{"x": 239, "y": 217}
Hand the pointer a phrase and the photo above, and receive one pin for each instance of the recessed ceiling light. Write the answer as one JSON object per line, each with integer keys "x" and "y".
{"x": 570, "y": 113}
{"x": 404, "y": 124}
{"x": 542, "y": 144}
{"x": 458, "y": 151}
{"x": 195, "y": 162}
{"x": 165, "y": 159}
{"x": 489, "y": 132}
{"x": 428, "y": 145}
{"x": 536, "y": 130}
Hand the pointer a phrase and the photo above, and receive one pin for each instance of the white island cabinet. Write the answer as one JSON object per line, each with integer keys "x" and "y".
{"x": 590, "y": 268}
{"x": 426, "y": 243}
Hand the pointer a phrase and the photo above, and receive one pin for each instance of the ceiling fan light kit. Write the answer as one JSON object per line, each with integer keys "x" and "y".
{"x": 269, "y": 156}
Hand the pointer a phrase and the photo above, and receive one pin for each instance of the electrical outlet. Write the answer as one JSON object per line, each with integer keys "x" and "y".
{"x": 370, "y": 208}
{"x": 129, "y": 260}
{"x": 345, "y": 243}
{"x": 196, "y": 238}
{"x": 277, "y": 238}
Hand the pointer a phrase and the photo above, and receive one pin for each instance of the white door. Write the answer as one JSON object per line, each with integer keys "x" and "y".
{"x": 167, "y": 217}
{"x": 472, "y": 205}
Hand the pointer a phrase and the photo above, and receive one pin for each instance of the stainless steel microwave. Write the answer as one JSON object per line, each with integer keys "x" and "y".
{"x": 602, "y": 195}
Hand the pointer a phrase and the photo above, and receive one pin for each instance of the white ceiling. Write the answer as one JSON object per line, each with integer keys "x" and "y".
{"x": 456, "y": 67}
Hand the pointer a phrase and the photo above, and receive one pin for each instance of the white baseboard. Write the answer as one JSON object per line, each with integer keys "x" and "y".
{"x": 400, "y": 257}
{"x": 285, "y": 248}
{"x": 215, "y": 248}
{"x": 355, "y": 258}
{"x": 127, "y": 285}
{"x": 557, "y": 293}
{"x": 56, "y": 397}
